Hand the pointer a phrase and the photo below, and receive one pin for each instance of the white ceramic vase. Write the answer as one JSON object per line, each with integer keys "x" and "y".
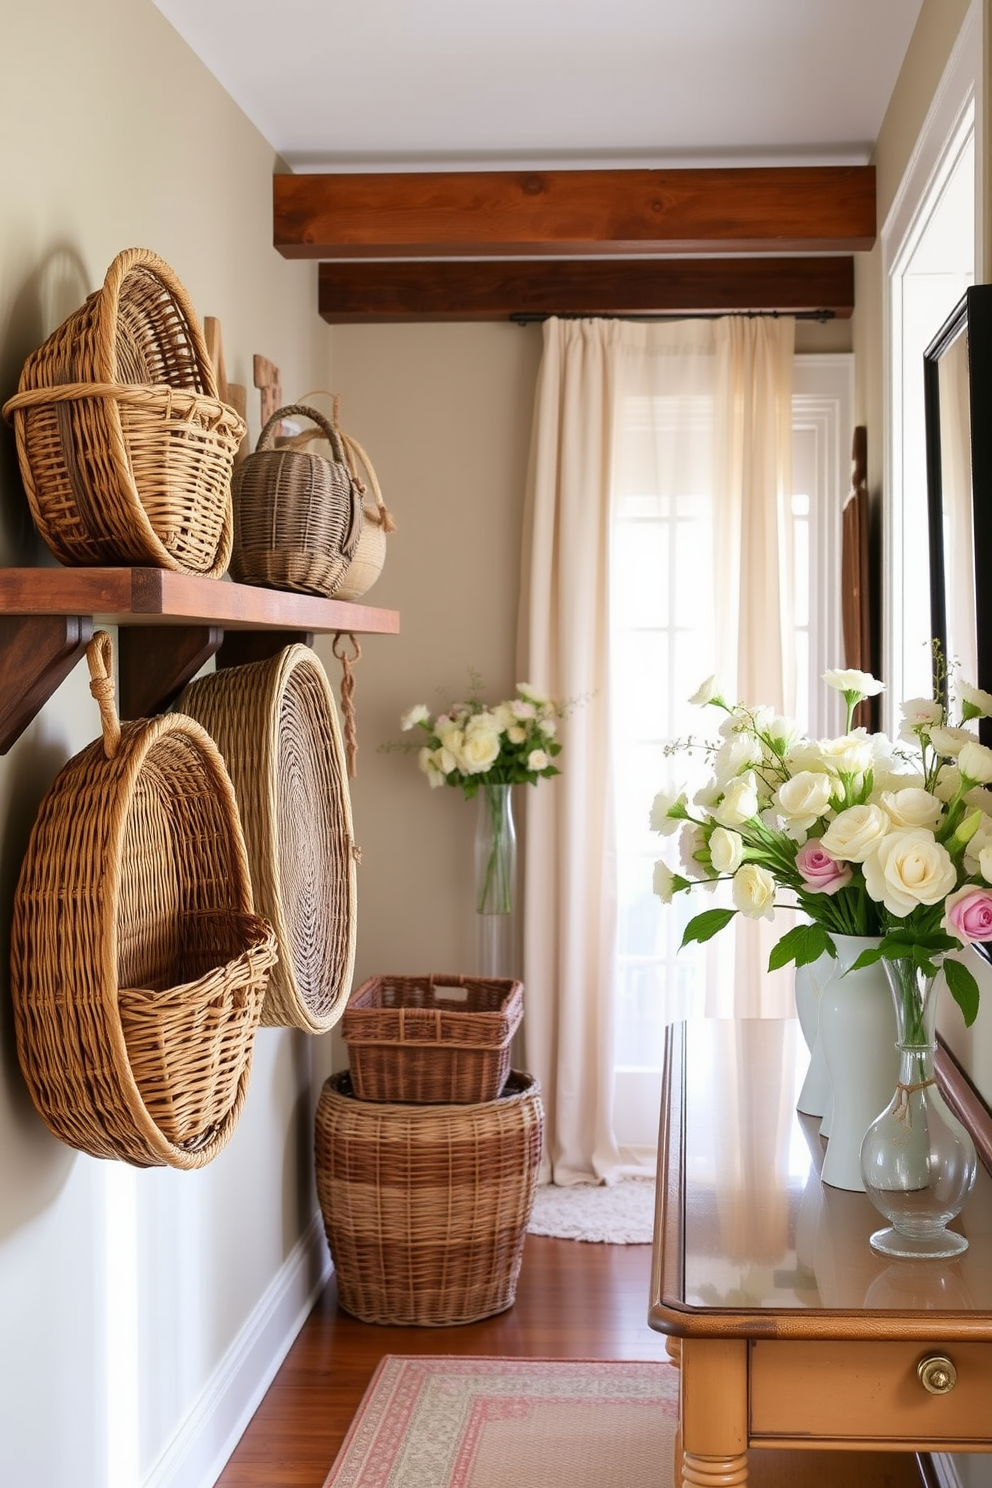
{"x": 858, "y": 1035}
{"x": 815, "y": 1092}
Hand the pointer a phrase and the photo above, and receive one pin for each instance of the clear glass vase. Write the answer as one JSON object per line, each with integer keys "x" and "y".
{"x": 495, "y": 882}
{"x": 917, "y": 1160}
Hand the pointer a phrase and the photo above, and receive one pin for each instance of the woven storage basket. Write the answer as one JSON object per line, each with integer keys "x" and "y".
{"x": 297, "y": 515}
{"x": 137, "y": 966}
{"x": 370, "y": 554}
{"x": 426, "y": 1207}
{"x": 432, "y": 1038}
{"x": 275, "y": 722}
{"x": 125, "y": 450}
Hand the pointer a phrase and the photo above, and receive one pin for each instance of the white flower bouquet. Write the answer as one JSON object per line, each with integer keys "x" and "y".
{"x": 866, "y": 836}
{"x": 471, "y": 744}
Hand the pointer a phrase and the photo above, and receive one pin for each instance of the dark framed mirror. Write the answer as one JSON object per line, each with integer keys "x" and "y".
{"x": 957, "y": 382}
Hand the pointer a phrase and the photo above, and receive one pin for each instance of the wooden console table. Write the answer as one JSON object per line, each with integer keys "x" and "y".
{"x": 792, "y": 1331}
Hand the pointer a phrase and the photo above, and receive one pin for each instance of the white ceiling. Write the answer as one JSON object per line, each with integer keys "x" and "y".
{"x": 379, "y": 84}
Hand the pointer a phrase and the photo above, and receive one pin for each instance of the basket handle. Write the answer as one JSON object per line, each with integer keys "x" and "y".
{"x": 267, "y": 436}
{"x": 382, "y": 517}
{"x": 100, "y": 660}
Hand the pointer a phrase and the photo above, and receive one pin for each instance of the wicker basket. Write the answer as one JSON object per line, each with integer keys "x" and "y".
{"x": 426, "y": 1207}
{"x": 125, "y": 450}
{"x": 137, "y": 966}
{"x": 370, "y": 554}
{"x": 276, "y": 725}
{"x": 297, "y": 515}
{"x": 431, "y": 1039}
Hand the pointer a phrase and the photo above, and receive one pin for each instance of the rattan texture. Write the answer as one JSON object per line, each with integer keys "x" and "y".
{"x": 276, "y": 725}
{"x": 138, "y": 967}
{"x": 297, "y": 515}
{"x": 431, "y": 1039}
{"x": 125, "y": 450}
{"x": 426, "y": 1207}
{"x": 370, "y": 554}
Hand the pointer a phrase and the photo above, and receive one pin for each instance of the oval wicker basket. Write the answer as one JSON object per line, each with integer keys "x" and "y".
{"x": 276, "y": 725}
{"x": 125, "y": 450}
{"x": 426, "y": 1207}
{"x": 297, "y": 514}
{"x": 138, "y": 967}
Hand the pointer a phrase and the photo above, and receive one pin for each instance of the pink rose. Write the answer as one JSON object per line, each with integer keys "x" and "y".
{"x": 821, "y": 874}
{"x": 968, "y": 913}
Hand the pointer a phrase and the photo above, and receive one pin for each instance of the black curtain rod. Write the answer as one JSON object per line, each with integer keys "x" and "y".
{"x": 526, "y": 317}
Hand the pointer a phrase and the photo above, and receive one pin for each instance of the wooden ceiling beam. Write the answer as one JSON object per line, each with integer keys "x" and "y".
{"x": 488, "y": 289}
{"x": 581, "y": 213}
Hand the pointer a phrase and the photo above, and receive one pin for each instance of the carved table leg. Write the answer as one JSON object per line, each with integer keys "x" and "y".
{"x": 673, "y": 1348}
{"x": 713, "y": 1472}
{"x": 713, "y": 1412}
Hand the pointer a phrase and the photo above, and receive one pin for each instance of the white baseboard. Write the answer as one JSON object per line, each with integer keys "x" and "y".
{"x": 207, "y": 1436}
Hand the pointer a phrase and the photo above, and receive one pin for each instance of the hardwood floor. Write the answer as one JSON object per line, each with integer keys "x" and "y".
{"x": 574, "y": 1301}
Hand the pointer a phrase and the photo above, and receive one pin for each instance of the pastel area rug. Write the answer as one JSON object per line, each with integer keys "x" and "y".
{"x": 448, "y": 1422}
{"x": 614, "y": 1213}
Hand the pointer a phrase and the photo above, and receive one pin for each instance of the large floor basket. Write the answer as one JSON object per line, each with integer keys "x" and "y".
{"x": 138, "y": 967}
{"x": 426, "y": 1207}
{"x": 276, "y": 725}
{"x": 125, "y": 450}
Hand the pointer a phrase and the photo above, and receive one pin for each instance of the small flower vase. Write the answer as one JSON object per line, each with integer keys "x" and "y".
{"x": 858, "y": 1032}
{"x": 917, "y": 1160}
{"x": 495, "y": 882}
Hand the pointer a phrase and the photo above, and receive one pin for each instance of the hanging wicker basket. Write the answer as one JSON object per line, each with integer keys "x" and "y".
{"x": 138, "y": 967}
{"x": 276, "y": 725}
{"x": 297, "y": 514}
{"x": 125, "y": 450}
{"x": 426, "y": 1207}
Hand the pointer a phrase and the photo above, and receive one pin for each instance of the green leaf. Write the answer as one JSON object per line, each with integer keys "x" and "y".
{"x": 867, "y": 958}
{"x": 704, "y": 926}
{"x": 963, "y": 988}
{"x": 803, "y": 945}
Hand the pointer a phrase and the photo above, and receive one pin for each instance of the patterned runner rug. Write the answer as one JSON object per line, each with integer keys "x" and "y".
{"x": 447, "y": 1422}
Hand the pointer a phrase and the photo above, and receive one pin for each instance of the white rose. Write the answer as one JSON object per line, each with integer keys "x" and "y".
{"x": 975, "y": 763}
{"x": 754, "y": 892}
{"x": 975, "y": 703}
{"x": 726, "y": 850}
{"x": 950, "y": 741}
{"x": 782, "y": 732}
{"x": 449, "y": 732}
{"x": 548, "y": 727}
{"x": 417, "y": 714}
{"x": 663, "y": 882}
{"x": 661, "y": 818}
{"x": 909, "y": 868}
{"x": 522, "y": 709}
{"x": 504, "y": 716}
{"x": 802, "y": 800}
{"x": 851, "y": 754}
{"x": 736, "y": 755}
{"x": 985, "y": 862}
{"x": 533, "y": 694}
{"x": 855, "y": 833}
{"x": 740, "y": 801}
{"x": 948, "y": 782}
{"x": 851, "y": 680}
{"x": 537, "y": 760}
{"x": 480, "y": 745}
{"x": 692, "y": 841}
{"x": 516, "y": 734}
{"x": 708, "y": 795}
{"x": 919, "y": 716}
{"x": 431, "y": 765}
{"x": 911, "y": 807}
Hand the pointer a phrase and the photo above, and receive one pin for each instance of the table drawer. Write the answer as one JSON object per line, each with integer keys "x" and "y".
{"x": 868, "y": 1392}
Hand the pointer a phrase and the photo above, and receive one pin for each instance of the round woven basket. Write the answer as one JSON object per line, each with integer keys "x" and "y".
{"x": 125, "y": 450}
{"x": 137, "y": 965}
{"x": 370, "y": 553}
{"x": 297, "y": 514}
{"x": 426, "y": 1207}
{"x": 276, "y": 725}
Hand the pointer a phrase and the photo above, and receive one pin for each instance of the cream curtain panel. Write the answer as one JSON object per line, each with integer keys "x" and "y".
{"x": 590, "y": 372}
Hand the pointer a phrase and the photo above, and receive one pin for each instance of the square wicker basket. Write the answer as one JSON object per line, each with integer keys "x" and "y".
{"x": 431, "y": 1039}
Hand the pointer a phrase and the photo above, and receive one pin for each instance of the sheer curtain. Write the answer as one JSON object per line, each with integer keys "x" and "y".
{"x": 693, "y": 415}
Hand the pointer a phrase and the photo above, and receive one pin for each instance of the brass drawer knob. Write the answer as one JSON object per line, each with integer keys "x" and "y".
{"x": 937, "y": 1374}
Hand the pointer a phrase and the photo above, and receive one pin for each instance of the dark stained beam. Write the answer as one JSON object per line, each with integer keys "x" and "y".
{"x": 491, "y": 289}
{"x": 581, "y": 213}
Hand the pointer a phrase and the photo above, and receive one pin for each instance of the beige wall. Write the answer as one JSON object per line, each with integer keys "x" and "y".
{"x": 114, "y": 1280}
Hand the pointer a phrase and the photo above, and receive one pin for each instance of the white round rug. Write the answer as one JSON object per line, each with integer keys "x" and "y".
{"x": 615, "y": 1213}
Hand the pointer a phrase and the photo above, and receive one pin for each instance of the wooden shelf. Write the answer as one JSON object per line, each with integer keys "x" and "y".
{"x": 170, "y": 624}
